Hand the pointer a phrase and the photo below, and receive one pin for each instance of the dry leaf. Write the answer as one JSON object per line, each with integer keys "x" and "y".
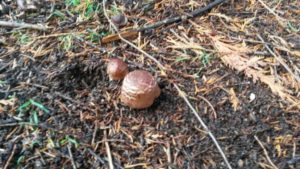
{"x": 233, "y": 99}
{"x": 8, "y": 102}
{"x": 236, "y": 57}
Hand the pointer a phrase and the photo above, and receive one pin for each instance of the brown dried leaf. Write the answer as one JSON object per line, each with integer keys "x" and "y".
{"x": 8, "y": 102}
{"x": 233, "y": 99}
{"x": 235, "y": 56}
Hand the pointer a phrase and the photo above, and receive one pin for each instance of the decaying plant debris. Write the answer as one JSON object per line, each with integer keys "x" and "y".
{"x": 237, "y": 63}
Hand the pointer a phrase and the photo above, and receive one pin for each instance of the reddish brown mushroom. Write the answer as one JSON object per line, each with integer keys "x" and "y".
{"x": 139, "y": 89}
{"x": 116, "y": 69}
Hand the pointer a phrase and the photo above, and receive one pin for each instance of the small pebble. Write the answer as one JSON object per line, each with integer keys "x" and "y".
{"x": 252, "y": 97}
{"x": 241, "y": 163}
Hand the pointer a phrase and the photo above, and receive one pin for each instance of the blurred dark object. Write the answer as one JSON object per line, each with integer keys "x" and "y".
{"x": 28, "y": 5}
{"x": 141, "y": 5}
{"x": 4, "y": 8}
{"x": 294, "y": 41}
{"x": 119, "y": 20}
{"x": 294, "y": 160}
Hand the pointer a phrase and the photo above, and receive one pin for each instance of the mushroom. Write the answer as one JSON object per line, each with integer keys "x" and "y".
{"x": 116, "y": 69}
{"x": 139, "y": 89}
{"x": 119, "y": 20}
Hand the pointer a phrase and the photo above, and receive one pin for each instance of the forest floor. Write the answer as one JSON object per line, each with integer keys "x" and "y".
{"x": 238, "y": 64}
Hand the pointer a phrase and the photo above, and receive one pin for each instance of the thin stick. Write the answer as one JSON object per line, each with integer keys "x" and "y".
{"x": 265, "y": 152}
{"x": 169, "y": 158}
{"x": 10, "y": 157}
{"x": 110, "y": 163}
{"x": 167, "y": 21}
{"x": 96, "y": 156}
{"x": 162, "y": 68}
{"x": 192, "y": 14}
{"x": 94, "y": 134}
{"x": 279, "y": 59}
{"x": 280, "y": 19}
{"x": 211, "y": 106}
{"x": 71, "y": 157}
{"x": 203, "y": 125}
{"x": 14, "y": 124}
{"x": 294, "y": 150}
{"x": 23, "y": 25}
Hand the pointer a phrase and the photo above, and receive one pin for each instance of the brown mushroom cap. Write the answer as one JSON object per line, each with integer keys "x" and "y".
{"x": 119, "y": 20}
{"x": 116, "y": 69}
{"x": 139, "y": 89}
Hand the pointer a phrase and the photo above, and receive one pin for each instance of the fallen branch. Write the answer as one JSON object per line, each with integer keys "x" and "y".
{"x": 167, "y": 21}
{"x": 181, "y": 93}
{"x": 195, "y": 13}
{"x": 23, "y": 25}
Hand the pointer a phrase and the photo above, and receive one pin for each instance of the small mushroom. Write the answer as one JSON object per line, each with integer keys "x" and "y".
{"x": 119, "y": 20}
{"x": 116, "y": 69}
{"x": 139, "y": 89}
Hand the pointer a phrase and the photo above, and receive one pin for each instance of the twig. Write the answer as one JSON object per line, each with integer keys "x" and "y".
{"x": 110, "y": 140}
{"x": 211, "y": 106}
{"x": 96, "y": 156}
{"x": 110, "y": 163}
{"x": 265, "y": 152}
{"x": 162, "y": 68}
{"x": 167, "y": 21}
{"x": 35, "y": 85}
{"x": 281, "y": 21}
{"x": 57, "y": 35}
{"x": 192, "y": 14}
{"x": 23, "y": 25}
{"x": 71, "y": 157}
{"x": 279, "y": 59}
{"x": 118, "y": 166}
{"x": 138, "y": 165}
{"x": 94, "y": 134}
{"x": 16, "y": 124}
{"x": 203, "y": 125}
{"x": 10, "y": 157}
{"x": 294, "y": 150}
{"x": 169, "y": 158}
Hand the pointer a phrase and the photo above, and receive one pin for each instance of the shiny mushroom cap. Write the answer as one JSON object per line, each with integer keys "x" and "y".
{"x": 139, "y": 89}
{"x": 116, "y": 69}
